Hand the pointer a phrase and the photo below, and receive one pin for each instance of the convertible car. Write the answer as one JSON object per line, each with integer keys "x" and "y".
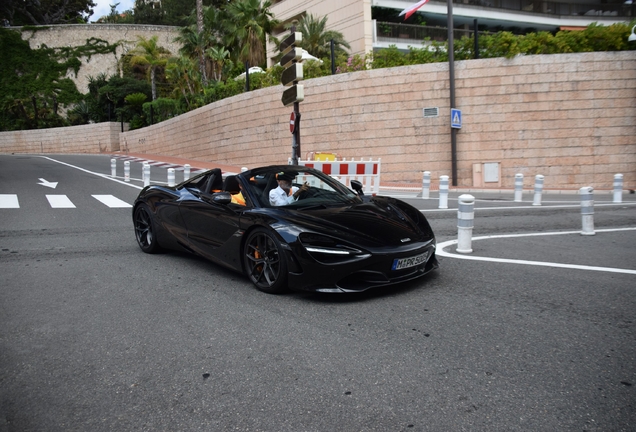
{"x": 323, "y": 236}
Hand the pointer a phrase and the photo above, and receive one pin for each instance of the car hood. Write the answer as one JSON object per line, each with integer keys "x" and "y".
{"x": 376, "y": 223}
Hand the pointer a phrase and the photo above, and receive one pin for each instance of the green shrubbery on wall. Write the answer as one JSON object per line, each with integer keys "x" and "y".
{"x": 34, "y": 87}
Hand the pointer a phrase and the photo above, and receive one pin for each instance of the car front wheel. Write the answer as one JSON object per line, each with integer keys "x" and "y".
{"x": 145, "y": 231}
{"x": 264, "y": 262}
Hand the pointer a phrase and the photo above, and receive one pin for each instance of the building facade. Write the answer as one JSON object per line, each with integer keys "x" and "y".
{"x": 375, "y": 24}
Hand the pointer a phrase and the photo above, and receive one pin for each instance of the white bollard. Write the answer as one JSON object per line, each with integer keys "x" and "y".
{"x": 426, "y": 184}
{"x": 113, "y": 167}
{"x": 186, "y": 172}
{"x": 518, "y": 187}
{"x": 127, "y": 171}
{"x": 618, "y": 188}
{"x": 243, "y": 169}
{"x": 146, "y": 174}
{"x": 587, "y": 210}
{"x": 538, "y": 189}
{"x": 171, "y": 177}
{"x": 465, "y": 218}
{"x": 443, "y": 192}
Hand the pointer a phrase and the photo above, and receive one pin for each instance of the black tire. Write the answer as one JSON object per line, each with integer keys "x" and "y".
{"x": 264, "y": 262}
{"x": 145, "y": 231}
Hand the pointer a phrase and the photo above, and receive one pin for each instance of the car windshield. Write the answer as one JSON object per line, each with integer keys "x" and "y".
{"x": 321, "y": 190}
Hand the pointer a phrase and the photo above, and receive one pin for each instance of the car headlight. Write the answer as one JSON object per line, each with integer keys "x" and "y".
{"x": 329, "y": 250}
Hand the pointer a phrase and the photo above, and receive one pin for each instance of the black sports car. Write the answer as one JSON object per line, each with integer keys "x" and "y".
{"x": 288, "y": 226}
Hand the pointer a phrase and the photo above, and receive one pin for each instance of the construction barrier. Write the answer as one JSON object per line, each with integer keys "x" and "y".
{"x": 366, "y": 172}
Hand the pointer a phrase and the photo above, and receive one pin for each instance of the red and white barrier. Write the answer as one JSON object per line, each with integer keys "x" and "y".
{"x": 367, "y": 172}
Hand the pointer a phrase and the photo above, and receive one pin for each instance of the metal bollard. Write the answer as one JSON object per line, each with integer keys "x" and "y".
{"x": 538, "y": 189}
{"x": 618, "y": 188}
{"x": 465, "y": 218}
{"x": 127, "y": 171}
{"x": 186, "y": 172}
{"x": 146, "y": 174}
{"x": 443, "y": 192}
{"x": 587, "y": 210}
{"x": 518, "y": 187}
{"x": 113, "y": 167}
{"x": 426, "y": 185}
{"x": 171, "y": 177}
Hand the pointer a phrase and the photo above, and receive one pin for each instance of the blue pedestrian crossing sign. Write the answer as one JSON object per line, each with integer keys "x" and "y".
{"x": 456, "y": 118}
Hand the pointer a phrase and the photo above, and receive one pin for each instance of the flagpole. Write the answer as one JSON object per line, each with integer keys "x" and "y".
{"x": 451, "y": 75}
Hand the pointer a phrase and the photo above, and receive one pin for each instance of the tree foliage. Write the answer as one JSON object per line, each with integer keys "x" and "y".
{"x": 169, "y": 12}
{"x": 45, "y": 12}
{"x": 34, "y": 83}
{"x": 149, "y": 54}
{"x": 317, "y": 38}
{"x": 106, "y": 98}
{"x": 115, "y": 17}
{"x": 249, "y": 24}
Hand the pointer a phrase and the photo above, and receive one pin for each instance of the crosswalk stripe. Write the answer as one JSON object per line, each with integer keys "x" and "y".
{"x": 9, "y": 201}
{"x": 60, "y": 201}
{"x": 111, "y": 201}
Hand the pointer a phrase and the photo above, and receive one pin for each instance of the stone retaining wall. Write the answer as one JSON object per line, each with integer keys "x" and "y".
{"x": 92, "y": 138}
{"x": 569, "y": 117}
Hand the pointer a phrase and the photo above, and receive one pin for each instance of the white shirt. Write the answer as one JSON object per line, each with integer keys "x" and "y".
{"x": 278, "y": 197}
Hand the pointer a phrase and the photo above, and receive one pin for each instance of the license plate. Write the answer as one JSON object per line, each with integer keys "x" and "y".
{"x": 402, "y": 263}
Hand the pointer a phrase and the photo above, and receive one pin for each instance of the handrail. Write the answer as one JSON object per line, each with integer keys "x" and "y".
{"x": 409, "y": 32}
{"x": 543, "y": 7}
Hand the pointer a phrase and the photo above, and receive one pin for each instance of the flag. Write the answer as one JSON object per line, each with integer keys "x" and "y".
{"x": 412, "y": 9}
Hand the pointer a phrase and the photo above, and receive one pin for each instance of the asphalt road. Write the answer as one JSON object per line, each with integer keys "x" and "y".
{"x": 97, "y": 336}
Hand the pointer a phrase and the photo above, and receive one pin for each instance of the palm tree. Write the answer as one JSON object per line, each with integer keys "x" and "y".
{"x": 148, "y": 53}
{"x": 317, "y": 39}
{"x": 183, "y": 75}
{"x": 196, "y": 44}
{"x": 219, "y": 57}
{"x": 200, "y": 30}
{"x": 249, "y": 24}
{"x": 193, "y": 45}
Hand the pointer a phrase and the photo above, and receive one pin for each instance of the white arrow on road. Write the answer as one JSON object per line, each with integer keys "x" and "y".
{"x": 43, "y": 182}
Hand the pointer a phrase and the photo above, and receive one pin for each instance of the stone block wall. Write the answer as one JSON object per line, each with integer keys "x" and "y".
{"x": 92, "y": 138}
{"x": 569, "y": 117}
{"x": 126, "y": 35}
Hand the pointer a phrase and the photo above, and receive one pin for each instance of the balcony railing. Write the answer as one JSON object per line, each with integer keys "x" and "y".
{"x": 409, "y": 33}
{"x": 555, "y": 8}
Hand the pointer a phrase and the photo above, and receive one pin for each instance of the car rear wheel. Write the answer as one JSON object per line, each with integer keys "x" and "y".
{"x": 145, "y": 231}
{"x": 264, "y": 262}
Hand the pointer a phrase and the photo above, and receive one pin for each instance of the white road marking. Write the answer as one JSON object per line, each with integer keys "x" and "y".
{"x": 48, "y": 184}
{"x": 107, "y": 177}
{"x": 111, "y": 201}
{"x": 439, "y": 250}
{"x": 545, "y": 206}
{"x": 60, "y": 201}
{"x": 9, "y": 201}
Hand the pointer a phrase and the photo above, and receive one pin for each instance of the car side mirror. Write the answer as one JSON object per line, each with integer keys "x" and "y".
{"x": 222, "y": 198}
{"x": 357, "y": 186}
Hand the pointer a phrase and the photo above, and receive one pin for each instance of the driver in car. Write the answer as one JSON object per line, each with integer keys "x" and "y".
{"x": 285, "y": 193}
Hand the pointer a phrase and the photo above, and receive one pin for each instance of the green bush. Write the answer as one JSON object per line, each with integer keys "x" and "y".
{"x": 161, "y": 109}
